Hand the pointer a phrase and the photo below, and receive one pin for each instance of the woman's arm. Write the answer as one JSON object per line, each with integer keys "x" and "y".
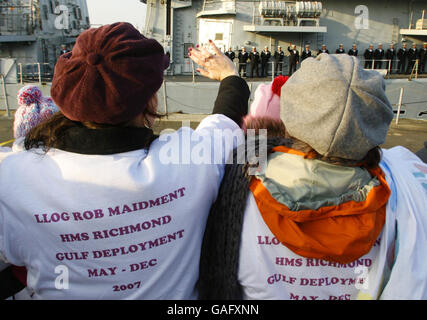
{"x": 232, "y": 100}
{"x": 233, "y": 95}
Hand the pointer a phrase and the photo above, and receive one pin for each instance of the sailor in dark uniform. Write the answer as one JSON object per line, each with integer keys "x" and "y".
{"x": 378, "y": 56}
{"x": 64, "y": 50}
{"x": 265, "y": 57}
{"x": 423, "y": 58}
{"x": 243, "y": 59}
{"x": 402, "y": 55}
{"x": 323, "y": 50}
{"x": 353, "y": 51}
{"x": 230, "y": 54}
{"x": 279, "y": 55}
{"x": 340, "y": 50}
{"x": 255, "y": 58}
{"x": 412, "y": 56}
{"x": 390, "y": 55}
{"x": 369, "y": 55}
{"x": 293, "y": 59}
{"x": 306, "y": 53}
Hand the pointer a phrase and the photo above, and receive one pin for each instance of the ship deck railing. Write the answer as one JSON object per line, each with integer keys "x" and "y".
{"x": 273, "y": 68}
{"x": 390, "y": 67}
{"x": 35, "y": 72}
{"x": 413, "y": 71}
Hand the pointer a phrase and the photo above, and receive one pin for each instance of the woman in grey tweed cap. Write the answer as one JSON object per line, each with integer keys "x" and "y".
{"x": 331, "y": 215}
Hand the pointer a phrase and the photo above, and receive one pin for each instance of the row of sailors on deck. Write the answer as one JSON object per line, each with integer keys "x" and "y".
{"x": 373, "y": 58}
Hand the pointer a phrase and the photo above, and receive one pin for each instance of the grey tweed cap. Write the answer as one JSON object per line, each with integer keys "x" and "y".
{"x": 337, "y": 107}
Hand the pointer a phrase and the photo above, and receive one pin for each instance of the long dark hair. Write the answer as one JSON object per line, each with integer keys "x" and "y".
{"x": 48, "y": 133}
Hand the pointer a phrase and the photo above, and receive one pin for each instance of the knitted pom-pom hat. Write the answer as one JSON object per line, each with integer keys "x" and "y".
{"x": 266, "y": 102}
{"x": 29, "y": 95}
{"x": 33, "y": 109}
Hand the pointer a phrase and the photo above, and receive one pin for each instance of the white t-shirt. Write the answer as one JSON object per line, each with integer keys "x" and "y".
{"x": 395, "y": 268}
{"x": 270, "y": 271}
{"x": 122, "y": 226}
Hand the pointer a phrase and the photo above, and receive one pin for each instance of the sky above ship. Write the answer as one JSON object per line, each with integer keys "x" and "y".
{"x": 109, "y": 11}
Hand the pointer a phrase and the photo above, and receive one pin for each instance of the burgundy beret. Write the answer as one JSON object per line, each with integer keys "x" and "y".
{"x": 109, "y": 77}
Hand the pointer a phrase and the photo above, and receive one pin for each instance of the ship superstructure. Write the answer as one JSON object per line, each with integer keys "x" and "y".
{"x": 179, "y": 24}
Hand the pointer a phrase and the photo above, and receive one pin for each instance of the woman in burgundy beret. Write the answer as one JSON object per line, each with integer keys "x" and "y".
{"x": 97, "y": 206}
